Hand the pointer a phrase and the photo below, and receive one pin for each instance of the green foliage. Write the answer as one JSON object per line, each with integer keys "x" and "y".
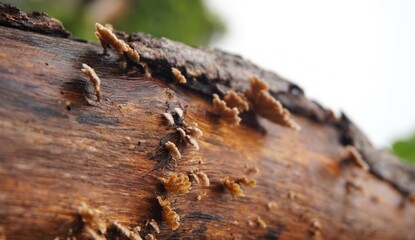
{"x": 405, "y": 149}
{"x": 188, "y": 21}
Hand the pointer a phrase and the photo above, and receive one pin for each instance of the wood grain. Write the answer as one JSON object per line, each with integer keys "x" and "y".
{"x": 58, "y": 151}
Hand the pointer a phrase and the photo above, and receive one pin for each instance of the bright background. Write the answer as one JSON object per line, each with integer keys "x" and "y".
{"x": 355, "y": 56}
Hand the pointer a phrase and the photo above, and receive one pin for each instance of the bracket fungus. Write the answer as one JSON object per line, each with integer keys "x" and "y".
{"x": 106, "y": 36}
{"x": 171, "y": 217}
{"x": 93, "y": 77}
{"x": 267, "y": 106}
{"x": 176, "y": 183}
{"x": 229, "y": 115}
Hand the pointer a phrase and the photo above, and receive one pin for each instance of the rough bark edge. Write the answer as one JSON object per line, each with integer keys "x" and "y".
{"x": 214, "y": 71}
{"x": 36, "y": 22}
{"x": 382, "y": 163}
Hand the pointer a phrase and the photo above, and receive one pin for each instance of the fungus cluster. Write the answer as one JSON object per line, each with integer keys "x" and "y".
{"x": 94, "y": 225}
{"x": 236, "y": 99}
{"x": 229, "y": 115}
{"x": 178, "y": 76}
{"x": 354, "y": 156}
{"x": 171, "y": 217}
{"x": 173, "y": 150}
{"x": 256, "y": 98}
{"x": 247, "y": 183}
{"x": 93, "y": 77}
{"x": 267, "y": 106}
{"x": 200, "y": 177}
{"x": 233, "y": 187}
{"x": 130, "y": 234}
{"x": 106, "y": 36}
{"x": 176, "y": 183}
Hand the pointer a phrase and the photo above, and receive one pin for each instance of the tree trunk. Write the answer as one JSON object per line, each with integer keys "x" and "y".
{"x": 60, "y": 149}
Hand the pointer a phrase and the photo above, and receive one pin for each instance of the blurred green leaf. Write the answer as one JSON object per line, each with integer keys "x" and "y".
{"x": 188, "y": 21}
{"x": 405, "y": 149}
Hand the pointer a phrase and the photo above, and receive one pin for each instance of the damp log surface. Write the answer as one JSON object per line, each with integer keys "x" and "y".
{"x": 58, "y": 151}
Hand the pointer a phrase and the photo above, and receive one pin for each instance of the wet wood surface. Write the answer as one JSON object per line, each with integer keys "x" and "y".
{"x": 58, "y": 151}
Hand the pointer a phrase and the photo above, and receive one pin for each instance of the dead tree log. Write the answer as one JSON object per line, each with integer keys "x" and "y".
{"x": 60, "y": 149}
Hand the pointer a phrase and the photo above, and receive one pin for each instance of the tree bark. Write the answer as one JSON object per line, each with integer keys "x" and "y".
{"x": 57, "y": 150}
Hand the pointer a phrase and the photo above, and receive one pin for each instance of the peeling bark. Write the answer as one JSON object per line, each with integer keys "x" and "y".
{"x": 36, "y": 22}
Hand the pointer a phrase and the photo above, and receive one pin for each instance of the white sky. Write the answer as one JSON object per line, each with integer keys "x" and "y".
{"x": 357, "y": 55}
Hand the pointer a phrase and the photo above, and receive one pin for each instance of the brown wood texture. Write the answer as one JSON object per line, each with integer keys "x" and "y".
{"x": 57, "y": 151}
